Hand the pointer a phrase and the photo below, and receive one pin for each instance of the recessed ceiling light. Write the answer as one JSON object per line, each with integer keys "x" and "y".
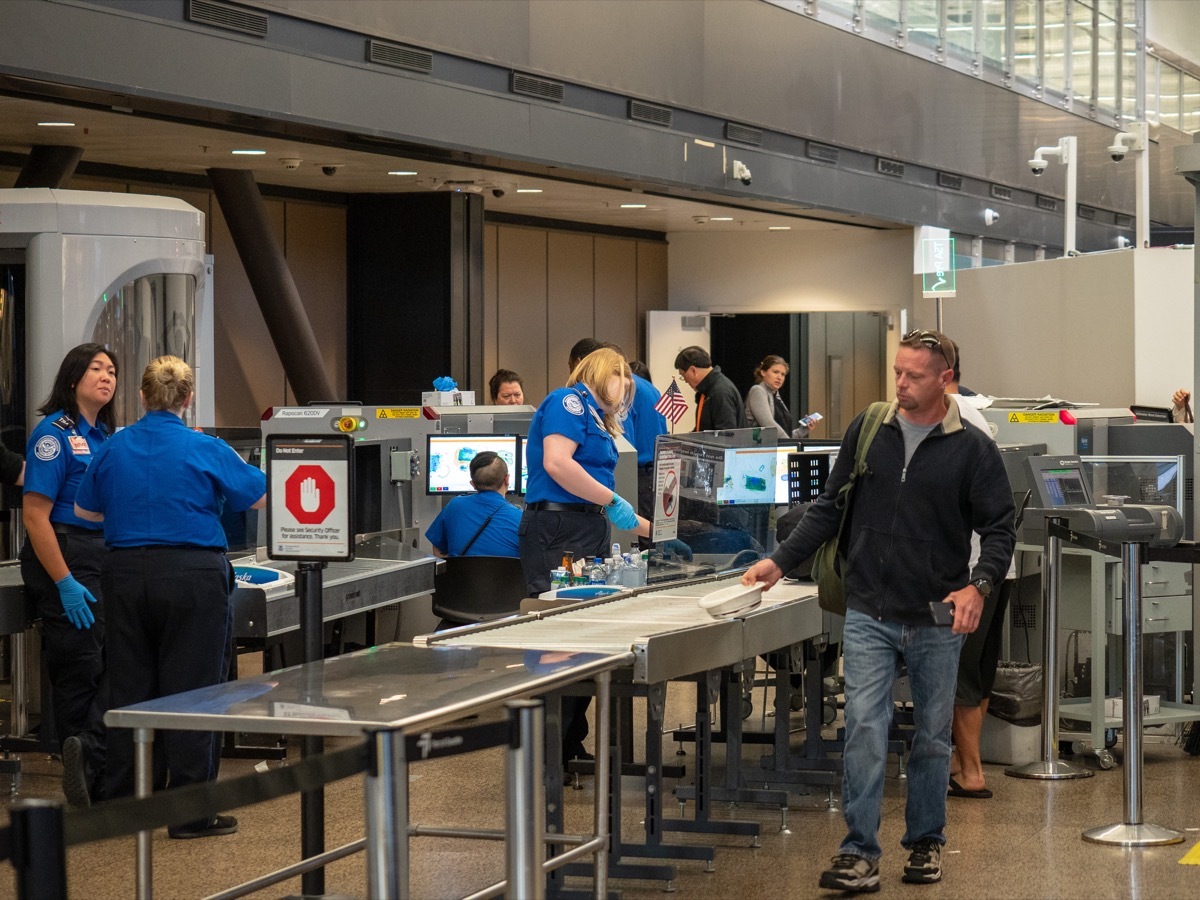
{"x": 249, "y": 152}
{"x": 633, "y": 206}
{"x": 56, "y": 124}
{"x": 402, "y": 172}
{"x": 721, "y": 219}
{"x": 779, "y": 228}
{"x": 529, "y": 190}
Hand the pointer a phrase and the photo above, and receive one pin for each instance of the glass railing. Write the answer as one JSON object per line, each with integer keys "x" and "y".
{"x": 1081, "y": 55}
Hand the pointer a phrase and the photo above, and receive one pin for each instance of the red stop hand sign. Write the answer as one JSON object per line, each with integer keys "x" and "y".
{"x": 308, "y": 494}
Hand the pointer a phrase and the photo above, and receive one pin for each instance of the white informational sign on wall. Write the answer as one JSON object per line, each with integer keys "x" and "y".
{"x": 310, "y": 490}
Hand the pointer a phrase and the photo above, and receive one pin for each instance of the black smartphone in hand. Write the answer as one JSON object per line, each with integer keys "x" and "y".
{"x": 943, "y": 613}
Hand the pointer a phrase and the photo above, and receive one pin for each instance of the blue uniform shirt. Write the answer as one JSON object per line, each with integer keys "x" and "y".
{"x": 158, "y": 482}
{"x": 460, "y": 519}
{"x": 571, "y": 412}
{"x": 57, "y": 455}
{"x": 644, "y": 423}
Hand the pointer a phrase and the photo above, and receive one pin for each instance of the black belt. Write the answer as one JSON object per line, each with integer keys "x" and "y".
{"x": 145, "y": 547}
{"x": 594, "y": 509}
{"x": 646, "y": 467}
{"x": 66, "y": 528}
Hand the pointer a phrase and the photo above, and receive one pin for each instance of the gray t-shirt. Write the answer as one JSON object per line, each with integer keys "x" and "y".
{"x": 913, "y": 435}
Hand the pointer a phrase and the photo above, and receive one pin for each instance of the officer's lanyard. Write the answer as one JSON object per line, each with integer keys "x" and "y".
{"x": 78, "y": 443}
{"x": 590, "y": 407}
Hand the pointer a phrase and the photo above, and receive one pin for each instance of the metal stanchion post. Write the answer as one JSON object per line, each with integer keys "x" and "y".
{"x": 143, "y": 774}
{"x": 1050, "y": 767}
{"x": 39, "y": 851}
{"x": 525, "y": 803}
{"x": 603, "y": 778}
{"x": 386, "y": 798}
{"x": 309, "y": 585}
{"x": 1132, "y": 832}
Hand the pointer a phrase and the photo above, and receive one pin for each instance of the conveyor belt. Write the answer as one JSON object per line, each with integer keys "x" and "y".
{"x": 347, "y": 588}
{"x": 669, "y": 634}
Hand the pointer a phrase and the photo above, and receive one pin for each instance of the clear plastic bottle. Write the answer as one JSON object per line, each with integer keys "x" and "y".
{"x": 596, "y": 574}
{"x": 615, "y": 566}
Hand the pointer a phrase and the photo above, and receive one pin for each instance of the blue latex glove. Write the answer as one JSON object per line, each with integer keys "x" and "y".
{"x": 675, "y": 547}
{"x": 75, "y": 599}
{"x": 445, "y": 383}
{"x": 621, "y": 513}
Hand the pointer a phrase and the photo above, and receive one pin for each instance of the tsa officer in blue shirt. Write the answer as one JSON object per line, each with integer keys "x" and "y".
{"x": 645, "y": 424}
{"x": 159, "y": 487}
{"x": 479, "y": 524}
{"x": 572, "y": 460}
{"x": 62, "y": 555}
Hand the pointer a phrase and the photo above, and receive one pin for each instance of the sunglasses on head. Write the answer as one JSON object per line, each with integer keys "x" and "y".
{"x": 928, "y": 339}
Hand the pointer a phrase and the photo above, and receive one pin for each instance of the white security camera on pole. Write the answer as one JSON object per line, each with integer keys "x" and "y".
{"x": 1065, "y": 151}
{"x": 1137, "y": 140}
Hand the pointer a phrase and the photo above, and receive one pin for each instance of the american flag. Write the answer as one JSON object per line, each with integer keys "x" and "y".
{"x": 672, "y": 405}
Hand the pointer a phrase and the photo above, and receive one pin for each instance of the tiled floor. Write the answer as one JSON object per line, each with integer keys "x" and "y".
{"x": 1023, "y": 843}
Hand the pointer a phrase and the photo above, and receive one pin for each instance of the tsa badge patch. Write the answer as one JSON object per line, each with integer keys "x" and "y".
{"x": 573, "y": 405}
{"x": 47, "y": 448}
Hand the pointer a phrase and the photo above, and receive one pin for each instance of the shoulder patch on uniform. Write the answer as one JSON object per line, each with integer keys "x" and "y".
{"x": 62, "y": 423}
{"x": 573, "y": 405}
{"x": 47, "y": 448}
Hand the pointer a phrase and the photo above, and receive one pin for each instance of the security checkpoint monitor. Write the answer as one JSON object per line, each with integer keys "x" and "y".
{"x": 1061, "y": 488}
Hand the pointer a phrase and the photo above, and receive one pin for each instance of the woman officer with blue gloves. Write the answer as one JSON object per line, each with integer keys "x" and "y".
{"x": 159, "y": 487}
{"x": 62, "y": 555}
{"x": 569, "y": 501}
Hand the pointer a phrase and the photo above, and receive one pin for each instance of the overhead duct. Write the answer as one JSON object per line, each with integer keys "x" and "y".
{"x": 49, "y": 166}
{"x": 271, "y": 280}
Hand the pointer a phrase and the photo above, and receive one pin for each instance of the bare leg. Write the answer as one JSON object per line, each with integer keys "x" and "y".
{"x": 967, "y": 727}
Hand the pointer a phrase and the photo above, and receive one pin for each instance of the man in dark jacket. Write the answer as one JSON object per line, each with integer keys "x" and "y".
{"x": 930, "y": 482}
{"x": 718, "y": 401}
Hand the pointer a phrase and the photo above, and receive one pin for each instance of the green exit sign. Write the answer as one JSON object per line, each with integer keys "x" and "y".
{"x": 937, "y": 269}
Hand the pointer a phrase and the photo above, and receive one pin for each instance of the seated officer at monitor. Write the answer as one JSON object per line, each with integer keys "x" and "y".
{"x": 480, "y": 524}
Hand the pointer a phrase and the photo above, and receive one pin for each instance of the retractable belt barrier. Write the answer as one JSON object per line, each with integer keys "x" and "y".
{"x": 127, "y": 816}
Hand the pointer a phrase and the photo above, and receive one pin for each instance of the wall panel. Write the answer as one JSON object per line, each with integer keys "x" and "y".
{"x": 616, "y": 312}
{"x": 522, "y": 310}
{"x": 571, "y": 291}
{"x": 316, "y": 254}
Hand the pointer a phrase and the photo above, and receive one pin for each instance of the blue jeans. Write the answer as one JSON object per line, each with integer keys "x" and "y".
{"x": 874, "y": 652}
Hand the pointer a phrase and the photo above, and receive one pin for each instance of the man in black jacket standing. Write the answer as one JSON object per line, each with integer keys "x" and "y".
{"x": 718, "y": 401}
{"x": 930, "y": 481}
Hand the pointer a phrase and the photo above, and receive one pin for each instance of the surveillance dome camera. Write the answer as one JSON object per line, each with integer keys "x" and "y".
{"x": 290, "y": 162}
{"x": 329, "y": 170}
{"x": 990, "y": 217}
{"x": 1117, "y": 152}
{"x": 1037, "y": 166}
{"x": 742, "y": 172}
{"x": 497, "y": 193}
{"x": 700, "y": 220}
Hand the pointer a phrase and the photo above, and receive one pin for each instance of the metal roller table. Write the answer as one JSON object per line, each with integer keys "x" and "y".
{"x": 670, "y": 638}
{"x": 381, "y": 693}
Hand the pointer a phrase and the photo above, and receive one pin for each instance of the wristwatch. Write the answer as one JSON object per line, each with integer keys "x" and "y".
{"x": 983, "y": 586}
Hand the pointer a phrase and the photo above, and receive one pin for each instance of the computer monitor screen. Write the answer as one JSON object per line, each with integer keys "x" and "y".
{"x": 448, "y": 460}
{"x": 748, "y": 476}
{"x": 523, "y": 480}
{"x": 1065, "y": 487}
{"x": 810, "y": 478}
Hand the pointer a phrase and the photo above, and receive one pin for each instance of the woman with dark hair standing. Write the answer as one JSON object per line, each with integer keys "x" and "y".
{"x": 764, "y": 407}
{"x": 62, "y": 555}
{"x": 159, "y": 487}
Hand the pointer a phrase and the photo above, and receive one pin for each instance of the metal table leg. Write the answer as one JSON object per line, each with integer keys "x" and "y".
{"x": 386, "y": 798}
{"x": 1132, "y": 832}
{"x": 143, "y": 773}
{"x": 1050, "y": 767}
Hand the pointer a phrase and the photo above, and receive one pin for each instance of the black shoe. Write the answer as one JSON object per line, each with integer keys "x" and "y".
{"x": 204, "y": 828}
{"x": 74, "y": 778}
{"x": 851, "y": 873}
{"x": 924, "y": 864}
